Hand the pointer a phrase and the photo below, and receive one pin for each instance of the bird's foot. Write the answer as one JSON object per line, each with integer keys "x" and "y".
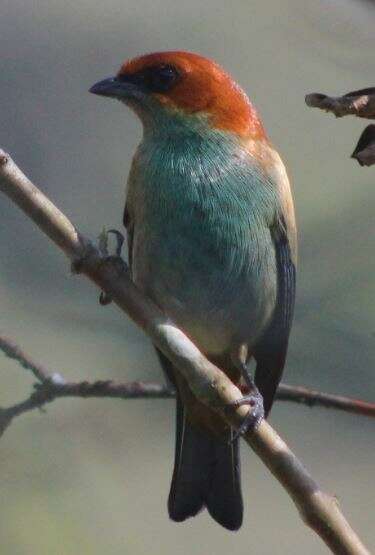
{"x": 255, "y": 415}
{"x": 251, "y": 397}
{"x": 89, "y": 250}
{"x": 103, "y": 242}
{"x": 114, "y": 259}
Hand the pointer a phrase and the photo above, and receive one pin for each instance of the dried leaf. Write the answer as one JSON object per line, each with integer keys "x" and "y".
{"x": 364, "y": 152}
{"x": 360, "y": 103}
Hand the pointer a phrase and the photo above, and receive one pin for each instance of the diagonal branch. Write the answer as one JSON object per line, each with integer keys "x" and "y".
{"x": 319, "y": 510}
{"x": 13, "y": 351}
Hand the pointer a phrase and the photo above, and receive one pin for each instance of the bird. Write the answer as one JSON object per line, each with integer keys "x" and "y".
{"x": 211, "y": 233}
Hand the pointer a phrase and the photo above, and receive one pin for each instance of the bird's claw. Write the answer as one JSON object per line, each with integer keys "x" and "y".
{"x": 255, "y": 415}
{"x": 115, "y": 259}
{"x": 119, "y": 241}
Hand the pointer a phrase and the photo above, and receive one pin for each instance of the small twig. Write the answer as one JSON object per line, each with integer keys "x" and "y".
{"x": 50, "y": 390}
{"x": 359, "y": 103}
{"x": 11, "y": 350}
{"x": 314, "y": 398}
{"x": 209, "y": 384}
{"x": 54, "y": 386}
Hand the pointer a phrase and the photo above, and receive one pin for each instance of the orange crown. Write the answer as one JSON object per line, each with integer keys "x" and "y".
{"x": 203, "y": 87}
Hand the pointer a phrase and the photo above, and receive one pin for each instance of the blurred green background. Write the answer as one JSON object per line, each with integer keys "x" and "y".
{"x": 92, "y": 477}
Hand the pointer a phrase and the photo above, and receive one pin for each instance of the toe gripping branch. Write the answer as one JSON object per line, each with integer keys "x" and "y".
{"x": 104, "y": 298}
{"x": 254, "y": 399}
{"x": 114, "y": 259}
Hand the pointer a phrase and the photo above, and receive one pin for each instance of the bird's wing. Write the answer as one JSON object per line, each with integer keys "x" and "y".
{"x": 129, "y": 226}
{"x": 271, "y": 349}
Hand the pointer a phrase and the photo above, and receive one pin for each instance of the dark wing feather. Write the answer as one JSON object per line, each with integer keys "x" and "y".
{"x": 270, "y": 352}
{"x": 129, "y": 226}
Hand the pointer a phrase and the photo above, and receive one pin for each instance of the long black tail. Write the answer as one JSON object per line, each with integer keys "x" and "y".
{"x": 206, "y": 474}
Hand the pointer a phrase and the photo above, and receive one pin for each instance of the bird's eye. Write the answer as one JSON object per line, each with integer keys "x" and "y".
{"x": 161, "y": 78}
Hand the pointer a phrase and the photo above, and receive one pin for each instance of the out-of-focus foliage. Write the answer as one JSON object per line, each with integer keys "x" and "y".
{"x": 92, "y": 477}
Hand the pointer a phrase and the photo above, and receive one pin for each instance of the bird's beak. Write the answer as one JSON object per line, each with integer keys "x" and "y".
{"x": 114, "y": 88}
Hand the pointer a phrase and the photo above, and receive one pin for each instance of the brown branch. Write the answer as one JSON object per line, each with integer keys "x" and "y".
{"x": 52, "y": 386}
{"x": 55, "y": 388}
{"x": 314, "y": 398}
{"x": 359, "y": 103}
{"x": 13, "y": 351}
{"x": 319, "y": 510}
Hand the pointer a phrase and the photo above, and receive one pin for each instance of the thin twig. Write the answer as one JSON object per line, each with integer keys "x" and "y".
{"x": 55, "y": 387}
{"x": 359, "y": 103}
{"x": 13, "y": 351}
{"x": 210, "y": 385}
{"x": 314, "y": 398}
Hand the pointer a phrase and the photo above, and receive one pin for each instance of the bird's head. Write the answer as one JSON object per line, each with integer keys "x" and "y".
{"x": 183, "y": 86}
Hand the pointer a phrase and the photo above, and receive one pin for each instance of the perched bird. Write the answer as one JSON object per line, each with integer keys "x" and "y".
{"x": 212, "y": 240}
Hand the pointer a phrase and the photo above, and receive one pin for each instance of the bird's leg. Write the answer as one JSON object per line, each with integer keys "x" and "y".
{"x": 253, "y": 397}
{"x": 114, "y": 259}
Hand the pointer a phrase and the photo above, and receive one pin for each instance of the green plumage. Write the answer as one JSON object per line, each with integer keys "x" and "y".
{"x": 203, "y": 247}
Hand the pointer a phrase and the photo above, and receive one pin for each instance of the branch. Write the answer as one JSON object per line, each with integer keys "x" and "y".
{"x": 313, "y": 398}
{"x": 359, "y": 103}
{"x": 53, "y": 386}
{"x": 13, "y": 351}
{"x": 319, "y": 510}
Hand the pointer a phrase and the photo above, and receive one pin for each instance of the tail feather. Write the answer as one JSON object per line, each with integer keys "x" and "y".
{"x": 206, "y": 474}
{"x": 206, "y": 470}
{"x": 191, "y": 472}
{"x": 224, "y": 501}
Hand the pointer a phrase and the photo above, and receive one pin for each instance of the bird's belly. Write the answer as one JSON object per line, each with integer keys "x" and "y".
{"x": 217, "y": 304}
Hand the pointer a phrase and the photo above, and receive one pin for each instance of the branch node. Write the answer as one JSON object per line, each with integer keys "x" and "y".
{"x": 57, "y": 379}
{"x": 4, "y": 158}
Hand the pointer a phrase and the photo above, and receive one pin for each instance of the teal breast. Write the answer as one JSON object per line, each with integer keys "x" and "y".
{"x": 202, "y": 248}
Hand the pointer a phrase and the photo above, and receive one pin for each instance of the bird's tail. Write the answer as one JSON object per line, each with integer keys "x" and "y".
{"x": 206, "y": 474}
